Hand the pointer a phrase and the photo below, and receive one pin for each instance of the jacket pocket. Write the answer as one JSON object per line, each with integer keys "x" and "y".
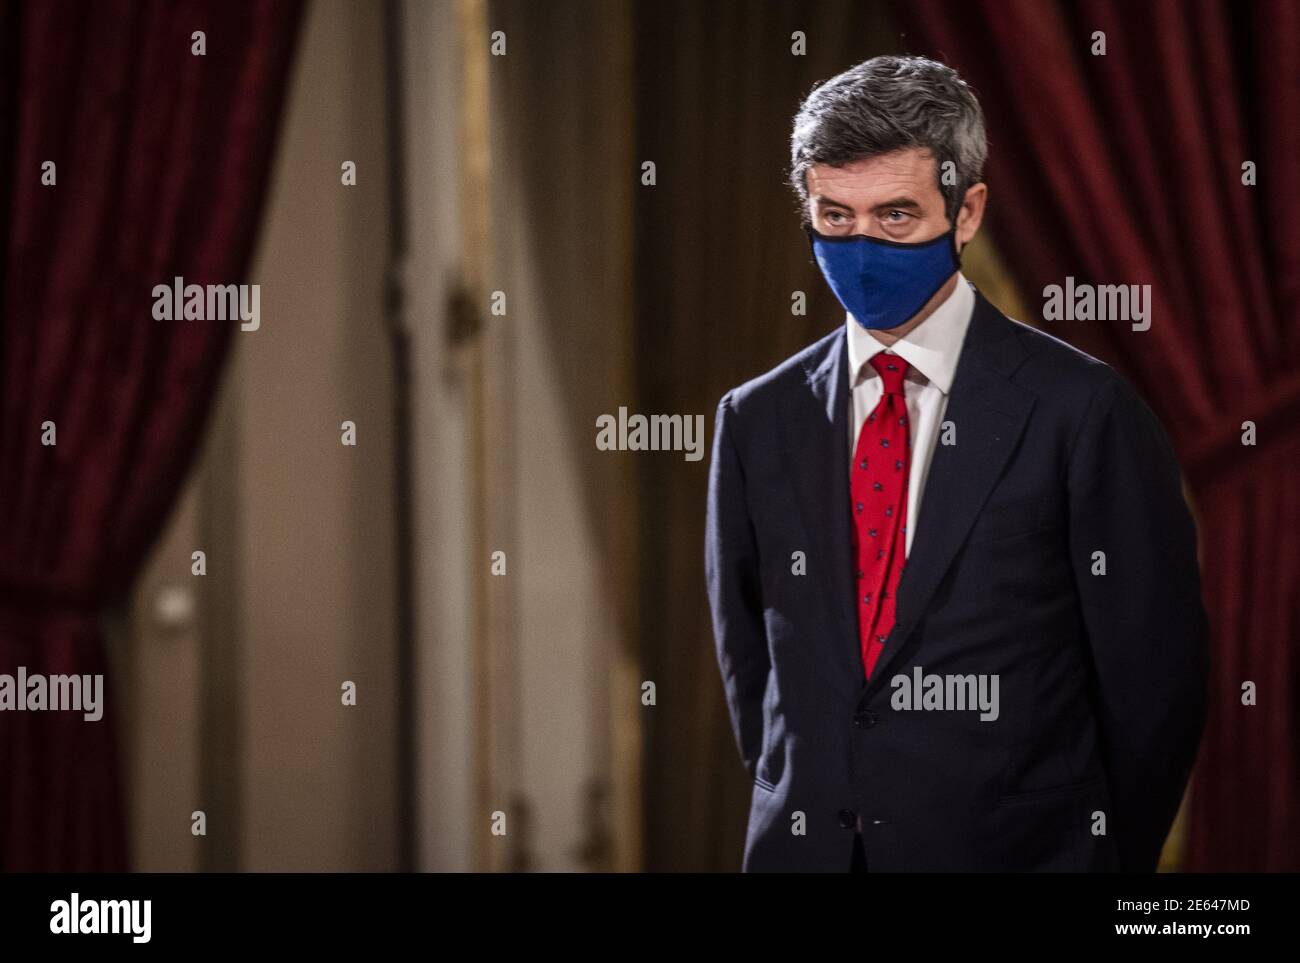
{"x": 1007, "y": 520}
{"x": 1051, "y": 792}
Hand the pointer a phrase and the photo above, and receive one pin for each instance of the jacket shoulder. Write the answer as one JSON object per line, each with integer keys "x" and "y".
{"x": 790, "y": 375}
{"x": 1056, "y": 368}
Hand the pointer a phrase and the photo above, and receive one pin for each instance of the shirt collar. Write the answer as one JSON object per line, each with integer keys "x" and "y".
{"x": 932, "y": 347}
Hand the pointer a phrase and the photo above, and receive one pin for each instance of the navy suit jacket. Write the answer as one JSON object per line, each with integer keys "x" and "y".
{"x": 1101, "y": 677}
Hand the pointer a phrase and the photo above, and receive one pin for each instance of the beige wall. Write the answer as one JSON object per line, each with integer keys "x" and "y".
{"x": 527, "y": 688}
{"x": 562, "y": 187}
{"x": 238, "y": 712}
{"x": 318, "y": 581}
{"x": 448, "y": 814}
{"x": 528, "y": 691}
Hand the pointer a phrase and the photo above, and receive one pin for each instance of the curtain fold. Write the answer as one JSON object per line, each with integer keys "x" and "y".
{"x": 1127, "y": 168}
{"x": 161, "y": 158}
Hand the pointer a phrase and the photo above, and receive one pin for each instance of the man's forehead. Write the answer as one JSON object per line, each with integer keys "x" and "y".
{"x": 907, "y": 162}
{"x": 902, "y": 174}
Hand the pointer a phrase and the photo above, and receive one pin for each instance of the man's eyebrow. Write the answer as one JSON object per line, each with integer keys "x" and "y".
{"x": 824, "y": 200}
{"x": 902, "y": 203}
{"x": 905, "y": 203}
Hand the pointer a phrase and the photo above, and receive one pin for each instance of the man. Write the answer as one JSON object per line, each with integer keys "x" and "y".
{"x": 953, "y": 580}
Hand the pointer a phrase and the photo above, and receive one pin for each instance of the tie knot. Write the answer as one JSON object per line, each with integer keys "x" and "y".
{"x": 891, "y": 369}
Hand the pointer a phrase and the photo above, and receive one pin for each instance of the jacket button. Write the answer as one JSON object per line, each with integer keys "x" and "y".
{"x": 848, "y": 819}
{"x": 864, "y": 719}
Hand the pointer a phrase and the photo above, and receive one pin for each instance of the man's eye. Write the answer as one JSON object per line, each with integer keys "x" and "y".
{"x": 832, "y": 216}
{"x": 897, "y": 220}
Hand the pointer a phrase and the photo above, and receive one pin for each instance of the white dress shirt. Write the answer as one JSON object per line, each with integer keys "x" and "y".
{"x": 931, "y": 350}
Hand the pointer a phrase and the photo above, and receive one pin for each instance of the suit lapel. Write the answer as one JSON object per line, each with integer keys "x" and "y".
{"x": 816, "y": 436}
{"x": 989, "y": 413}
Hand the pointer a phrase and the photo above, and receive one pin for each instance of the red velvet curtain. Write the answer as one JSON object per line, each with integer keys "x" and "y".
{"x": 1127, "y": 168}
{"x": 161, "y": 160}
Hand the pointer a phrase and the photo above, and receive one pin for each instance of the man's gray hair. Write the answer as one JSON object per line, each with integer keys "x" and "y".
{"x": 886, "y": 104}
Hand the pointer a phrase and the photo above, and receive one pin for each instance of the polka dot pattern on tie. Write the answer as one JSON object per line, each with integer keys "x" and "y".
{"x": 879, "y": 495}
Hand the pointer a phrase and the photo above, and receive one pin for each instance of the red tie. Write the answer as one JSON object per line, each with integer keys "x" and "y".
{"x": 879, "y": 490}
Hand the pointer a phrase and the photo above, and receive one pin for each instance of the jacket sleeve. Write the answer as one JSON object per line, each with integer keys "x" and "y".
{"x": 735, "y": 596}
{"x": 1146, "y": 626}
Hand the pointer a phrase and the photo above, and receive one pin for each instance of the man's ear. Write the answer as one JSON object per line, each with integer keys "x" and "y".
{"x": 971, "y": 213}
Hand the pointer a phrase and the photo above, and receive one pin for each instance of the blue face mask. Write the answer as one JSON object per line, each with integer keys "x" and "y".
{"x": 883, "y": 283}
